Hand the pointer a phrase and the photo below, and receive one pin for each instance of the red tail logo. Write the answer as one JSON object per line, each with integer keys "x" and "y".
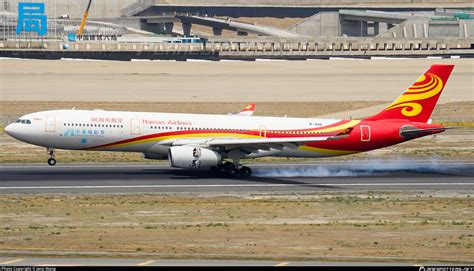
{"x": 417, "y": 102}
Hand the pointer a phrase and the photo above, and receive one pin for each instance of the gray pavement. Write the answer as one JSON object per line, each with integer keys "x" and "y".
{"x": 268, "y": 178}
{"x": 11, "y": 261}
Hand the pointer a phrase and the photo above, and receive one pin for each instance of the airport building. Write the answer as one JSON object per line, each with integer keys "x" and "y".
{"x": 243, "y": 29}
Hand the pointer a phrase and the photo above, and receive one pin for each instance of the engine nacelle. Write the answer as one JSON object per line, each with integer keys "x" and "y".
{"x": 193, "y": 157}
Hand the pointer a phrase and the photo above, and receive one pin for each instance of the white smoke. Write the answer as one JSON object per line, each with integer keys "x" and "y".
{"x": 302, "y": 171}
{"x": 359, "y": 168}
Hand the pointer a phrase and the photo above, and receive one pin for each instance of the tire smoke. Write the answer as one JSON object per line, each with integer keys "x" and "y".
{"x": 376, "y": 167}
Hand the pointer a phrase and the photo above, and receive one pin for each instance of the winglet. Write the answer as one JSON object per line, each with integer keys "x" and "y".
{"x": 248, "y": 110}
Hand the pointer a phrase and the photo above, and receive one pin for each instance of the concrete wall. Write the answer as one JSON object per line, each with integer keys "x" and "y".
{"x": 409, "y": 28}
{"x": 431, "y": 29}
{"x": 318, "y": 2}
{"x": 75, "y": 8}
{"x": 466, "y": 28}
{"x": 443, "y": 29}
{"x": 244, "y": 48}
{"x": 354, "y": 28}
{"x": 325, "y": 24}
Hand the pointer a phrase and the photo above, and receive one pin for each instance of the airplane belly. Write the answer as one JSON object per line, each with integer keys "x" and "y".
{"x": 139, "y": 147}
{"x": 301, "y": 152}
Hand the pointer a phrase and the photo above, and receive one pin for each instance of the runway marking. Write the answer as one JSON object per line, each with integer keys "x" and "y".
{"x": 12, "y": 261}
{"x": 282, "y": 264}
{"x": 145, "y": 263}
{"x": 231, "y": 185}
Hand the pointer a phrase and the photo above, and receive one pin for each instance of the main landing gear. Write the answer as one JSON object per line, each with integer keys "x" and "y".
{"x": 51, "y": 160}
{"x": 229, "y": 169}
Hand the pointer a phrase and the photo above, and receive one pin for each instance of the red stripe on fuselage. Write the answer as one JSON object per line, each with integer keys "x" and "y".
{"x": 269, "y": 134}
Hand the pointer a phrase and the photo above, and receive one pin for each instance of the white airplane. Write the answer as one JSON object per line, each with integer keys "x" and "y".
{"x": 221, "y": 141}
{"x": 248, "y": 110}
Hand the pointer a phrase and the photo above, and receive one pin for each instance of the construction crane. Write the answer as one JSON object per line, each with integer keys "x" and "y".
{"x": 84, "y": 18}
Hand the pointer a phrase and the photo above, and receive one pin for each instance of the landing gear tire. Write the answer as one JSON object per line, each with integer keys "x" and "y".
{"x": 229, "y": 169}
{"x": 51, "y": 161}
{"x": 216, "y": 169}
{"x": 245, "y": 172}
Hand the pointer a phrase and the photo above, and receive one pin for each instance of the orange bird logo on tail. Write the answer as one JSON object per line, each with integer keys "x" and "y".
{"x": 418, "y": 101}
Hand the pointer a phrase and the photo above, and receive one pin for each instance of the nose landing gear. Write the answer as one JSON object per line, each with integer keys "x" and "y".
{"x": 51, "y": 160}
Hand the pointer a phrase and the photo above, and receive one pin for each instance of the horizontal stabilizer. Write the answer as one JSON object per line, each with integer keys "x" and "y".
{"x": 418, "y": 132}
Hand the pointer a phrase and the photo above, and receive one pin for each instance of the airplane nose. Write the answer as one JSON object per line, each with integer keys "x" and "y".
{"x": 8, "y": 129}
{"x": 12, "y": 130}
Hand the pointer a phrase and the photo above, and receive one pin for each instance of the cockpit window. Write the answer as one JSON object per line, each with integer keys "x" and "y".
{"x": 24, "y": 121}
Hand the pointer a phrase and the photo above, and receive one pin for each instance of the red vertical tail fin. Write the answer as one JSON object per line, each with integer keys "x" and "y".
{"x": 417, "y": 103}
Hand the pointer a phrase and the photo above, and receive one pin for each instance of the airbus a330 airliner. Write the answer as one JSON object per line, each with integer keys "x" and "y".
{"x": 219, "y": 142}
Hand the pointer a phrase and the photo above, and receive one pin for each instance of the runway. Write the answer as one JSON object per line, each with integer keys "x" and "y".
{"x": 285, "y": 177}
{"x": 50, "y": 262}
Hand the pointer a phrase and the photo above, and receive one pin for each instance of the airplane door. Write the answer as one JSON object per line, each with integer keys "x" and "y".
{"x": 50, "y": 124}
{"x": 365, "y": 133}
{"x": 135, "y": 127}
{"x": 263, "y": 131}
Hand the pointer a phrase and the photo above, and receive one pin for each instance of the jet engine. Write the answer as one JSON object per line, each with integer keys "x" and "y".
{"x": 193, "y": 157}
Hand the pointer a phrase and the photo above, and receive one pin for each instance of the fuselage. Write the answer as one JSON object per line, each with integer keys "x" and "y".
{"x": 101, "y": 130}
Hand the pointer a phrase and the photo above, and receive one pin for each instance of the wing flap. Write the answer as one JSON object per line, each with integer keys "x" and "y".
{"x": 265, "y": 141}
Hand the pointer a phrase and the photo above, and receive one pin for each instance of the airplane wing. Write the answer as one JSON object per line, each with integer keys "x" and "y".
{"x": 247, "y": 111}
{"x": 253, "y": 143}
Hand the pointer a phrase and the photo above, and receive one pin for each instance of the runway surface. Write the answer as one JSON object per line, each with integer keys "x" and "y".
{"x": 350, "y": 176}
{"x": 177, "y": 262}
